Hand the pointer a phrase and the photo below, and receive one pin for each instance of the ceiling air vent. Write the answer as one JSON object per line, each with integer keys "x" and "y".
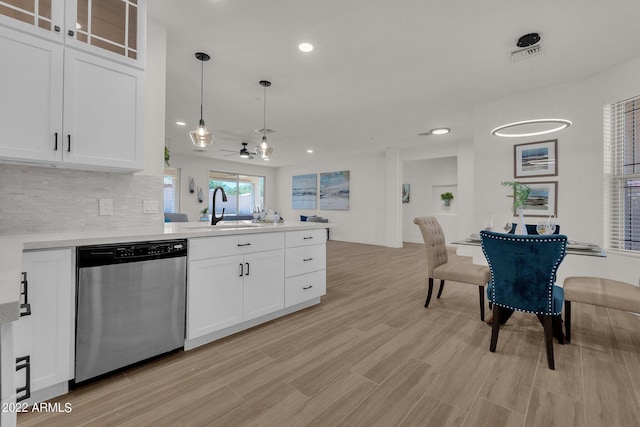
{"x": 527, "y": 52}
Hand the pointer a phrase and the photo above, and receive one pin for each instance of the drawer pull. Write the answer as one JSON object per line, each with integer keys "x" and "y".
{"x": 307, "y": 238}
{"x": 307, "y": 259}
{"x": 24, "y": 363}
{"x": 25, "y": 307}
{"x": 307, "y": 287}
{"x": 244, "y": 244}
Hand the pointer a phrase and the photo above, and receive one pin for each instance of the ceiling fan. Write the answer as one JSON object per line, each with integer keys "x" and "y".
{"x": 244, "y": 152}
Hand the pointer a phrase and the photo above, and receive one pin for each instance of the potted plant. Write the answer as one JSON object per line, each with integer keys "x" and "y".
{"x": 204, "y": 214}
{"x": 446, "y": 197}
{"x": 520, "y": 195}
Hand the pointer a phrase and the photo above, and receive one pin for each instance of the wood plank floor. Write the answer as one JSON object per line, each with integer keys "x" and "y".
{"x": 371, "y": 355}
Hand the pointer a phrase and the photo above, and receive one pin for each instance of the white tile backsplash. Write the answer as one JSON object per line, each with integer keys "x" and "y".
{"x": 35, "y": 199}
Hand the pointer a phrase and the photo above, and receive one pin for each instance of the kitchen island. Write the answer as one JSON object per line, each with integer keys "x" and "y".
{"x": 240, "y": 274}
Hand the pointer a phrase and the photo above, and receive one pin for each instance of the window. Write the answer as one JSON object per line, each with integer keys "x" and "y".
{"x": 245, "y": 193}
{"x": 622, "y": 168}
{"x": 171, "y": 188}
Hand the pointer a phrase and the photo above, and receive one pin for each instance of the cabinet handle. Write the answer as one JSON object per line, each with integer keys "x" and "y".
{"x": 71, "y": 33}
{"x": 244, "y": 244}
{"x": 307, "y": 287}
{"x": 69, "y": 143}
{"x": 307, "y": 238}
{"x": 24, "y": 363}
{"x": 247, "y": 264}
{"x": 241, "y": 270}
{"x": 56, "y": 147}
{"x": 25, "y": 307}
{"x": 56, "y": 28}
{"x": 307, "y": 259}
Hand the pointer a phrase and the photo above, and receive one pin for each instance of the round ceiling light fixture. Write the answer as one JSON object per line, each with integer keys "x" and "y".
{"x": 305, "y": 47}
{"x": 532, "y": 127}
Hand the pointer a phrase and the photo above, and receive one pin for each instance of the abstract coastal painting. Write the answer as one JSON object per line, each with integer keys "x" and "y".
{"x": 542, "y": 200}
{"x": 304, "y": 189}
{"x": 536, "y": 159}
{"x": 334, "y": 190}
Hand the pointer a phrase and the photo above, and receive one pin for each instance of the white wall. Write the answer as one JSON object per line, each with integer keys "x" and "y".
{"x": 364, "y": 222}
{"x": 428, "y": 178}
{"x": 198, "y": 168}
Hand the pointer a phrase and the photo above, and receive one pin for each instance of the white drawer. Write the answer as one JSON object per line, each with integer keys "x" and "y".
{"x": 213, "y": 247}
{"x": 306, "y": 237}
{"x": 305, "y": 287}
{"x": 305, "y": 259}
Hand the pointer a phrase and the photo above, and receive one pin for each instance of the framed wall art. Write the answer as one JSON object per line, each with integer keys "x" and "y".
{"x": 406, "y": 193}
{"x": 542, "y": 200}
{"x": 304, "y": 189}
{"x": 334, "y": 190}
{"x": 535, "y": 159}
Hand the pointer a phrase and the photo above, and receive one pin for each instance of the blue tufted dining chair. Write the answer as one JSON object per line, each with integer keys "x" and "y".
{"x": 523, "y": 275}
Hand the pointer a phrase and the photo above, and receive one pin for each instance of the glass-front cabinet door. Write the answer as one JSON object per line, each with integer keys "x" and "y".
{"x": 111, "y": 25}
{"x": 114, "y": 29}
{"x": 43, "y": 17}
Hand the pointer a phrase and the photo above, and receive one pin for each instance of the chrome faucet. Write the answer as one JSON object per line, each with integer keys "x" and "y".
{"x": 214, "y": 218}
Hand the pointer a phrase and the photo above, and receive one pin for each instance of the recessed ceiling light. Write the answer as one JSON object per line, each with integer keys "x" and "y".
{"x": 305, "y": 47}
{"x": 181, "y": 123}
{"x": 440, "y": 131}
{"x": 309, "y": 151}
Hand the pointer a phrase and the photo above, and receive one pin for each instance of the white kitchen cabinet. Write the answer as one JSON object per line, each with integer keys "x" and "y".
{"x": 43, "y": 336}
{"x": 306, "y": 263}
{"x": 224, "y": 291}
{"x": 73, "y": 101}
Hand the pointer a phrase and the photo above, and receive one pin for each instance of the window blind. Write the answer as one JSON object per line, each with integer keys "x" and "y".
{"x": 622, "y": 173}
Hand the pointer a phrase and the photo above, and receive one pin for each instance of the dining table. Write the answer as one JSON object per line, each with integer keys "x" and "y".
{"x": 583, "y": 258}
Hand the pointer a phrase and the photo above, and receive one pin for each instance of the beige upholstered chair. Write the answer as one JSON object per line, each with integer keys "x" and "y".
{"x": 598, "y": 291}
{"x": 443, "y": 266}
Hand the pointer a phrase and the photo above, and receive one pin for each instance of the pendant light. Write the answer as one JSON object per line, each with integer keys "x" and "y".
{"x": 263, "y": 150}
{"x": 528, "y": 46}
{"x": 201, "y": 137}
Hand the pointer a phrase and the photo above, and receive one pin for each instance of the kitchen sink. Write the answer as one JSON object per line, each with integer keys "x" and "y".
{"x": 227, "y": 225}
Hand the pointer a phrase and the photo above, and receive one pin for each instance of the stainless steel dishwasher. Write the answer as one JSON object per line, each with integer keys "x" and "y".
{"x": 130, "y": 304}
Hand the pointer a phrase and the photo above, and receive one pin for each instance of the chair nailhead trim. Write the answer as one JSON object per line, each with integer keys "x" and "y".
{"x": 519, "y": 238}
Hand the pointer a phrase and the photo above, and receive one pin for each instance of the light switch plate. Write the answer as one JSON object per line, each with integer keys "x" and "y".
{"x": 150, "y": 206}
{"x": 105, "y": 207}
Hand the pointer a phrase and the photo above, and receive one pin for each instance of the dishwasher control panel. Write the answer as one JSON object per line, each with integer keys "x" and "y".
{"x": 148, "y": 249}
{"x": 97, "y": 255}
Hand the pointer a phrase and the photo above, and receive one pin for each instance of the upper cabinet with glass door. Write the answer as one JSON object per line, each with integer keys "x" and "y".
{"x": 114, "y": 29}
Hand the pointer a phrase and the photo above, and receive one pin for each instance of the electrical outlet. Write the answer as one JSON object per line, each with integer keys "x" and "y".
{"x": 105, "y": 207}
{"x": 150, "y": 206}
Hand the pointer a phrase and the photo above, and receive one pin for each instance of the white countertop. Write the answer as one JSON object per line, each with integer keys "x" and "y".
{"x": 13, "y": 245}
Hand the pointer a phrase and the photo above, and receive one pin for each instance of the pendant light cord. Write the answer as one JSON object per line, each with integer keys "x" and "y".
{"x": 264, "y": 113}
{"x": 201, "y": 87}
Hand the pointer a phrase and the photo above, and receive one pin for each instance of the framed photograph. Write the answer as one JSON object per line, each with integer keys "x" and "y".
{"x": 543, "y": 199}
{"x": 334, "y": 190}
{"x": 406, "y": 192}
{"x": 535, "y": 159}
{"x": 304, "y": 189}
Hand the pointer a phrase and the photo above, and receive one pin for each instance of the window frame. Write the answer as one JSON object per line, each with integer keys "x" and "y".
{"x": 238, "y": 182}
{"x": 622, "y": 175}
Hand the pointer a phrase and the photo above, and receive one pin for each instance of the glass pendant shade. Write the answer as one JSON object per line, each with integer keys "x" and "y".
{"x": 263, "y": 149}
{"x": 201, "y": 137}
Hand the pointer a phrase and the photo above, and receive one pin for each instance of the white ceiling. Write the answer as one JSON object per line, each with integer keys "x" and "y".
{"x": 381, "y": 71}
